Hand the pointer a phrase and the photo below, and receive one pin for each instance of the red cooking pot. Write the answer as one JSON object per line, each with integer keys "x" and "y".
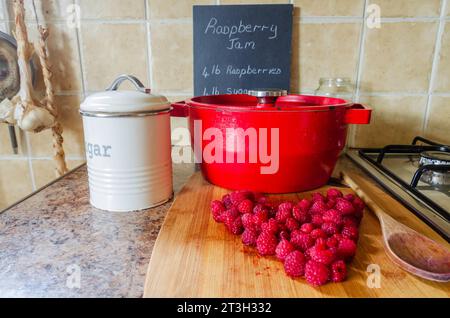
{"x": 269, "y": 141}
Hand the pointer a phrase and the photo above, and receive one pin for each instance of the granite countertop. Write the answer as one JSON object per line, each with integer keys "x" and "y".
{"x": 55, "y": 244}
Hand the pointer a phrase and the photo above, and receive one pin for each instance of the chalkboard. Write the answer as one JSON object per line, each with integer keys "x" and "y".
{"x": 241, "y": 47}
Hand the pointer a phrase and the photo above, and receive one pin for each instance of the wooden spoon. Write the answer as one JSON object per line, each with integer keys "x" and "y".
{"x": 407, "y": 248}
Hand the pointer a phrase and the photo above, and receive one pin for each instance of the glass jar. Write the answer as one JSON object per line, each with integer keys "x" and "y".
{"x": 339, "y": 87}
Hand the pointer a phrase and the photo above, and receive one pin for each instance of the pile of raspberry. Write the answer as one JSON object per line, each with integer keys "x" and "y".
{"x": 315, "y": 238}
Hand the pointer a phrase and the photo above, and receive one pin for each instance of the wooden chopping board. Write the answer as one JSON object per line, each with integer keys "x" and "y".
{"x": 195, "y": 257}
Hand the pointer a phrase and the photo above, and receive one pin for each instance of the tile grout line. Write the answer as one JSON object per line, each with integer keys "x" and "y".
{"x": 434, "y": 68}
{"x": 149, "y": 46}
{"x": 81, "y": 57}
{"x": 30, "y": 162}
{"x": 360, "y": 67}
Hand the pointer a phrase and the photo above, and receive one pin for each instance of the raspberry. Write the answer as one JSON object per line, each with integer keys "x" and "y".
{"x": 318, "y": 233}
{"x": 321, "y": 243}
{"x": 284, "y": 235}
{"x": 284, "y": 248}
{"x": 247, "y": 220}
{"x": 217, "y": 207}
{"x": 338, "y": 237}
{"x": 350, "y": 221}
{"x": 245, "y": 206}
{"x": 346, "y": 249}
{"x": 304, "y": 205}
{"x": 301, "y": 240}
{"x": 334, "y": 193}
{"x": 271, "y": 226}
{"x": 286, "y": 206}
{"x": 266, "y": 244}
{"x": 331, "y": 203}
{"x": 359, "y": 204}
{"x": 329, "y": 228}
{"x": 338, "y": 272}
{"x": 332, "y": 216}
{"x": 332, "y": 242}
{"x": 292, "y": 224}
{"x": 300, "y": 215}
{"x": 283, "y": 215}
{"x": 344, "y": 207}
{"x": 318, "y": 207}
{"x": 236, "y": 227}
{"x": 323, "y": 256}
{"x": 259, "y": 207}
{"x": 294, "y": 264}
{"x": 260, "y": 217}
{"x": 229, "y": 216}
{"x": 307, "y": 228}
{"x": 349, "y": 197}
{"x": 317, "y": 220}
{"x": 316, "y": 274}
{"x": 249, "y": 237}
{"x": 316, "y": 197}
{"x": 239, "y": 196}
{"x": 226, "y": 199}
{"x": 350, "y": 232}
{"x": 284, "y": 212}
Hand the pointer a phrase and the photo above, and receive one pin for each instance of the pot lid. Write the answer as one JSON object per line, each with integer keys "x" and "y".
{"x": 113, "y": 101}
{"x": 257, "y": 101}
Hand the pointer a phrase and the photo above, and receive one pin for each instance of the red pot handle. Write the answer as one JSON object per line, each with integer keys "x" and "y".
{"x": 358, "y": 114}
{"x": 179, "y": 109}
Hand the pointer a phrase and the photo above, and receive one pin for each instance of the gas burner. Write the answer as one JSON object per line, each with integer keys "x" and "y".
{"x": 435, "y": 158}
{"x": 418, "y": 175}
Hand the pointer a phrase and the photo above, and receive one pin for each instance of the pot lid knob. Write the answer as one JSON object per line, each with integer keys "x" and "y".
{"x": 267, "y": 92}
{"x": 267, "y": 96}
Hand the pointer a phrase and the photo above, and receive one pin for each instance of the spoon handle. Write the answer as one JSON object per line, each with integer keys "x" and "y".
{"x": 387, "y": 222}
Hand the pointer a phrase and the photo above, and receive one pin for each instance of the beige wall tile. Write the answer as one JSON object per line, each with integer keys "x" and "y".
{"x": 174, "y": 9}
{"x": 354, "y": 8}
{"x": 65, "y": 59}
{"x": 113, "y": 49}
{"x": 15, "y": 181}
{"x": 327, "y": 50}
{"x": 44, "y": 171}
{"x": 408, "y": 8}
{"x": 295, "y": 59}
{"x": 395, "y": 119}
{"x": 2, "y": 10}
{"x": 41, "y": 144}
{"x": 438, "y": 127}
{"x": 5, "y": 143}
{"x": 442, "y": 81}
{"x": 112, "y": 9}
{"x": 398, "y": 57}
{"x": 253, "y": 1}
{"x": 172, "y": 63}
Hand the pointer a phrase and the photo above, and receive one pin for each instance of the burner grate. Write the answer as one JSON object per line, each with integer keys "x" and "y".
{"x": 420, "y": 145}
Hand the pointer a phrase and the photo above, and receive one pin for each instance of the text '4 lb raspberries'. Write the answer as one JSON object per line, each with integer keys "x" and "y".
{"x": 313, "y": 238}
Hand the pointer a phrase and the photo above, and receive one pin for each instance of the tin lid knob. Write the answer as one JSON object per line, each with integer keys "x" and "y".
{"x": 133, "y": 79}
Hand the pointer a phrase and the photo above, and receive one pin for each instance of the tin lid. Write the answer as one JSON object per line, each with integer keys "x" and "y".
{"x": 124, "y": 103}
